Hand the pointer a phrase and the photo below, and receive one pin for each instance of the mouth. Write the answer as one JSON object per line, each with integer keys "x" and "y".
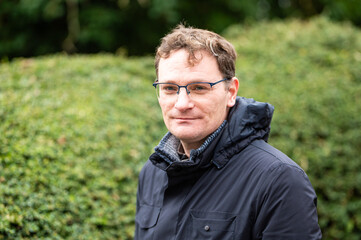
{"x": 184, "y": 119}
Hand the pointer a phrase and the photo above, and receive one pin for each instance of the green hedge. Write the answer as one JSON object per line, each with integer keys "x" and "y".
{"x": 74, "y": 134}
{"x": 75, "y": 131}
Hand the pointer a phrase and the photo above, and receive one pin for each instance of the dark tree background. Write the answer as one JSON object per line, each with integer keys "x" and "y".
{"x": 134, "y": 27}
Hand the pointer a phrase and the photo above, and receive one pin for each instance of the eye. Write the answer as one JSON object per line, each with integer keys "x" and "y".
{"x": 169, "y": 88}
{"x": 199, "y": 87}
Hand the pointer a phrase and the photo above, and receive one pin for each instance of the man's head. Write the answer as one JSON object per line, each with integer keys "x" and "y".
{"x": 194, "y": 40}
{"x": 192, "y": 59}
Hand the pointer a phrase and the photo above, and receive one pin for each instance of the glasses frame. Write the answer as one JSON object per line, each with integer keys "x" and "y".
{"x": 156, "y": 83}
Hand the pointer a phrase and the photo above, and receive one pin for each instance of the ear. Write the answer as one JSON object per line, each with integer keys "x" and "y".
{"x": 232, "y": 92}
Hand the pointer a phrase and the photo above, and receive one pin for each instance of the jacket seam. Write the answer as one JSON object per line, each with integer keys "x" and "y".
{"x": 280, "y": 162}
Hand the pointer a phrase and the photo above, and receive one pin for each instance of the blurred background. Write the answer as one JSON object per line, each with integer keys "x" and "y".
{"x": 134, "y": 27}
{"x": 79, "y": 116}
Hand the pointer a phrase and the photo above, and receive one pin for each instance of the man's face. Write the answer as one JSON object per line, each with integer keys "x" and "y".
{"x": 190, "y": 120}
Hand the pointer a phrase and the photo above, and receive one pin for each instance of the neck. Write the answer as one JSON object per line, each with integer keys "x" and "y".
{"x": 187, "y": 147}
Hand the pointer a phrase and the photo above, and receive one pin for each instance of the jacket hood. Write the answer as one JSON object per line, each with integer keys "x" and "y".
{"x": 247, "y": 121}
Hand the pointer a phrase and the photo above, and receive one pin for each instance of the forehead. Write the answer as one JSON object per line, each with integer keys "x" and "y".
{"x": 178, "y": 67}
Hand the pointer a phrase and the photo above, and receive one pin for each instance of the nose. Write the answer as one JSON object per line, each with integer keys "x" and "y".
{"x": 184, "y": 102}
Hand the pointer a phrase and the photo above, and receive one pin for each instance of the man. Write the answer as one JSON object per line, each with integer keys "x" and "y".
{"x": 213, "y": 176}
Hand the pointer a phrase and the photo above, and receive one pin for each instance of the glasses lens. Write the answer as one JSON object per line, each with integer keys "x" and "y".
{"x": 197, "y": 90}
{"x": 166, "y": 90}
{"x": 194, "y": 90}
{"x": 157, "y": 90}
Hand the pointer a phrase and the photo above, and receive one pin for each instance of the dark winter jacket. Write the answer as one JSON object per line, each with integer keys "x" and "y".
{"x": 235, "y": 186}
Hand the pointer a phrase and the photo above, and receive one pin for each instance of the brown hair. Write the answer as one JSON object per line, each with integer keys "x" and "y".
{"x": 193, "y": 40}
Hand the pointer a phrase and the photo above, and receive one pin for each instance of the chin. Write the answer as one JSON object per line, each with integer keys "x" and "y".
{"x": 189, "y": 137}
{"x": 185, "y": 137}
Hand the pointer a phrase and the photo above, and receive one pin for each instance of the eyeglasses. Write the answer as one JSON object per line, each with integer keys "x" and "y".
{"x": 195, "y": 90}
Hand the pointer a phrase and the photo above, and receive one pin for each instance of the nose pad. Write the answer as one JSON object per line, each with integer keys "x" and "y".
{"x": 186, "y": 93}
{"x": 185, "y": 88}
{"x": 183, "y": 100}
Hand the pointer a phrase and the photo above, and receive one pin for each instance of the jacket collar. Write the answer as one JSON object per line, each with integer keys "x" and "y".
{"x": 166, "y": 155}
{"x": 247, "y": 121}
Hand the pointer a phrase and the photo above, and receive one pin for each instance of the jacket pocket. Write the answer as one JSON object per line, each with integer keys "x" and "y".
{"x": 212, "y": 225}
{"x": 146, "y": 219}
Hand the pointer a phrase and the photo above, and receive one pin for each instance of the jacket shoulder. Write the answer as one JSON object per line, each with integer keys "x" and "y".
{"x": 286, "y": 200}
{"x": 271, "y": 157}
{"x": 272, "y": 169}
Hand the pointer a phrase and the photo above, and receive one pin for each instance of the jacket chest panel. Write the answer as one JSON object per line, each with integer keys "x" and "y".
{"x": 212, "y": 208}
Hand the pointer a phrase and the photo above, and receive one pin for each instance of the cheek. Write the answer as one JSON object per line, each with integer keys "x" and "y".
{"x": 165, "y": 108}
{"x": 212, "y": 112}
{"x": 214, "y": 107}
{"x": 218, "y": 112}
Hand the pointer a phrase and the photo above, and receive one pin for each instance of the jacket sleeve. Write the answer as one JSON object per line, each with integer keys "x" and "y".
{"x": 287, "y": 206}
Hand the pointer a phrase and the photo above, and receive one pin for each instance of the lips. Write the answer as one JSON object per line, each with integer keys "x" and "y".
{"x": 182, "y": 118}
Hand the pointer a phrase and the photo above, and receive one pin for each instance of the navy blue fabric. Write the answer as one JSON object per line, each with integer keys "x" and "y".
{"x": 235, "y": 186}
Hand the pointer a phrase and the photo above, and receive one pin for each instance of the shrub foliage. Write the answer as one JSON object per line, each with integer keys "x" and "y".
{"x": 75, "y": 131}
